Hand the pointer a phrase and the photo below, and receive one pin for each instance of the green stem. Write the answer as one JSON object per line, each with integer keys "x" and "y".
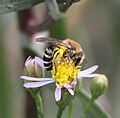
{"x": 60, "y": 112}
{"x": 87, "y": 108}
{"x": 96, "y": 111}
{"x": 39, "y": 107}
{"x": 70, "y": 110}
{"x": 89, "y": 105}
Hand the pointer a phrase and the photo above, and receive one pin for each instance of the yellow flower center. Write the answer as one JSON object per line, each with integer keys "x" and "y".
{"x": 64, "y": 71}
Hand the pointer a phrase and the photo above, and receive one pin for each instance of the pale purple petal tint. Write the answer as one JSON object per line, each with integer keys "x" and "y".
{"x": 90, "y": 75}
{"x": 69, "y": 88}
{"x": 70, "y": 91}
{"x": 90, "y": 70}
{"x": 36, "y": 84}
{"x": 35, "y": 79}
{"x": 27, "y": 62}
{"x": 40, "y": 62}
{"x": 74, "y": 83}
{"x": 35, "y": 61}
{"x": 87, "y": 72}
{"x": 57, "y": 92}
{"x": 36, "y": 65}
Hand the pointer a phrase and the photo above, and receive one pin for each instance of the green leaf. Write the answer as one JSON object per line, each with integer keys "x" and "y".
{"x": 96, "y": 110}
{"x": 58, "y": 30}
{"x": 15, "y": 5}
{"x": 4, "y": 93}
{"x": 54, "y": 9}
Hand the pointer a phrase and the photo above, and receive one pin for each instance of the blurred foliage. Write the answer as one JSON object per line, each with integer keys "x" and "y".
{"x": 11, "y": 93}
{"x": 4, "y": 93}
{"x": 58, "y": 31}
{"x": 15, "y": 5}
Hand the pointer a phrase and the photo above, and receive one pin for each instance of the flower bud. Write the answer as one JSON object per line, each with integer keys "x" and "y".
{"x": 32, "y": 68}
{"x": 98, "y": 86}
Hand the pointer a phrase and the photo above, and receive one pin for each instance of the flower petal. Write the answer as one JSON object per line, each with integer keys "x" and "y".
{"x": 57, "y": 93}
{"x": 40, "y": 62}
{"x": 67, "y": 86}
{"x": 36, "y": 66}
{"x": 36, "y": 79}
{"x": 74, "y": 83}
{"x": 27, "y": 62}
{"x": 87, "y": 72}
{"x": 90, "y": 70}
{"x": 71, "y": 91}
{"x": 36, "y": 84}
{"x": 90, "y": 75}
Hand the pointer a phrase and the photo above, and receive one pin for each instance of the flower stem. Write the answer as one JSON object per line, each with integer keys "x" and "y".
{"x": 87, "y": 108}
{"x": 70, "y": 110}
{"x": 89, "y": 105}
{"x": 38, "y": 103}
{"x": 60, "y": 112}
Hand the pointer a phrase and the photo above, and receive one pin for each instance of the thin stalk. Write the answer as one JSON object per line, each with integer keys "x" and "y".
{"x": 89, "y": 105}
{"x": 70, "y": 110}
{"x": 60, "y": 112}
{"x": 87, "y": 108}
{"x": 39, "y": 107}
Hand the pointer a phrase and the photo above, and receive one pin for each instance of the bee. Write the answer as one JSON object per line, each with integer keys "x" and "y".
{"x": 58, "y": 50}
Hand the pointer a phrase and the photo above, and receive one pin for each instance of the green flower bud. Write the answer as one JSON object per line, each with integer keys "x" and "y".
{"x": 98, "y": 86}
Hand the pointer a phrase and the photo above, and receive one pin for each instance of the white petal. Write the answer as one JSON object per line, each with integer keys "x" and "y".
{"x": 90, "y": 75}
{"x": 36, "y": 84}
{"x": 86, "y": 72}
{"x": 36, "y": 66}
{"x": 74, "y": 83}
{"x": 71, "y": 91}
{"x": 57, "y": 93}
{"x": 40, "y": 62}
{"x": 27, "y": 62}
{"x": 67, "y": 86}
{"x": 90, "y": 70}
{"x": 36, "y": 79}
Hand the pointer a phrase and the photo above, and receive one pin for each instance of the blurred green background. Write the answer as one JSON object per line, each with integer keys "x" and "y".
{"x": 95, "y": 24}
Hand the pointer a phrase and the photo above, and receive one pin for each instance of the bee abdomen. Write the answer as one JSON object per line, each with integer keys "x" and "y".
{"x": 47, "y": 58}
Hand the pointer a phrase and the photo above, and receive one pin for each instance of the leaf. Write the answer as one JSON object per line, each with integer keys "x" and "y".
{"x": 16, "y": 5}
{"x": 96, "y": 110}
{"x": 54, "y": 9}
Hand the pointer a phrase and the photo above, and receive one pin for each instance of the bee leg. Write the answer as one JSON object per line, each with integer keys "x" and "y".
{"x": 54, "y": 65}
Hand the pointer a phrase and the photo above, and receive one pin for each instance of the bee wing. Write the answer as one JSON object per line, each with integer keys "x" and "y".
{"x": 52, "y": 41}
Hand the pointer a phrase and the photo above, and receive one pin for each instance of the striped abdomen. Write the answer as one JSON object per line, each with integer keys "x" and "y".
{"x": 47, "y": 58}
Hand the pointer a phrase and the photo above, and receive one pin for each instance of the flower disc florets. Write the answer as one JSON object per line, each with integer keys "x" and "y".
{"x": 64, "y": 72}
